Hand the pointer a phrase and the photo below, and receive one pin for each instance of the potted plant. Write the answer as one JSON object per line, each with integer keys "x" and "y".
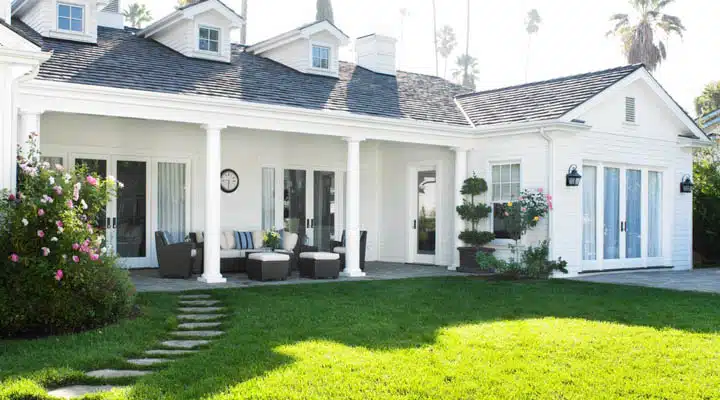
{"x": 472, "y": 213}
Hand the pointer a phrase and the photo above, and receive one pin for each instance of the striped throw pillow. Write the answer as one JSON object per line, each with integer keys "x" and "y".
{"x": 244, "y": 240}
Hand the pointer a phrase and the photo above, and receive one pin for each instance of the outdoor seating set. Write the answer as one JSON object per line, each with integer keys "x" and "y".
{"x": 244, "y": 252}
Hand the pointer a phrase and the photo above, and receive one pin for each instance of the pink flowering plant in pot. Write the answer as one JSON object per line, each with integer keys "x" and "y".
{"x": 57, "y": 274}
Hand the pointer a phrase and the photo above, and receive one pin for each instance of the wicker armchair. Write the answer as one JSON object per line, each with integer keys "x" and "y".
{"x": 175, "y": 259}
{"x": 339, "y": 247}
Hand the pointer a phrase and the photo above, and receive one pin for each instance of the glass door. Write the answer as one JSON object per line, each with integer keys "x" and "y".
{"x": 424, "y": 204}
{"x": 324, "y": 209}
{"x": 295, "y": 215}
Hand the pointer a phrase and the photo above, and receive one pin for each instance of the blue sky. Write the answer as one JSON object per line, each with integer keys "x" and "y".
{"x": 571, "y": 39}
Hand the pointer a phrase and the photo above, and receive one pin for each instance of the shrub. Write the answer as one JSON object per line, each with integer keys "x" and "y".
{"x": 537, "y": 265}
{"x": 56, "y": 274}
{"x": 473, "y": 213}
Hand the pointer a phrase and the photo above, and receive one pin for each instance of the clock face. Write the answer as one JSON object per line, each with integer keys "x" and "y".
{"x": 229, "y": 181}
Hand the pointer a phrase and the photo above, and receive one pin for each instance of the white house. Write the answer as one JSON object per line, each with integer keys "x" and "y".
{"x": 320, "y": 145}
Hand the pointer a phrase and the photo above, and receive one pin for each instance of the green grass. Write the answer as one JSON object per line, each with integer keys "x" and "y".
{"x": 455, "y": 338}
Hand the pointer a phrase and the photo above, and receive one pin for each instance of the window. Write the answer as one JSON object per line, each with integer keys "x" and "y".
{"x": 505, "y": 188}
{"x": 321, "y": 57}
{"x": 70, "y": 18}
{"x": 209, "y": 39}
{"x": 268, "y": 198}
{"x": 630, "y": 110}
{"x": 53, "y": 161}
{"x": 589, "y": 202}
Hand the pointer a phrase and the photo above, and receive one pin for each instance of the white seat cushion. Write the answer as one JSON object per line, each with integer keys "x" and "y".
{"x": 269, "y": 257}
{"x": 320, "y": 256}
{"x": 339, "y": 250}
{"x": 289, "y": 241}
{"x": 193, "y": 253}
{"x": 232, "y": 253}
{"x": 258, "y": 239}
{"x": 199, "y": 236}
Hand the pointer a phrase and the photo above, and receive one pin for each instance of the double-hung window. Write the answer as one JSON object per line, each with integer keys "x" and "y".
{"x": 70, "y": 18}
{"x": 505, "y": 188}
{"x": 321, "y": 57}
{"x": 209, "y": 39}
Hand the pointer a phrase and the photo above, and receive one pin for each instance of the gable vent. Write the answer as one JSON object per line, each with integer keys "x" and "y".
{"x": 630, "y": 109}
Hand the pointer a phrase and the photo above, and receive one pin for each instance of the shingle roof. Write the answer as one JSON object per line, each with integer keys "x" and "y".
{"x": 539, "y": 101}
{"x": 113, "y": 6}
{"x": 20, "y": 33}
{"x": 122, "y": 60}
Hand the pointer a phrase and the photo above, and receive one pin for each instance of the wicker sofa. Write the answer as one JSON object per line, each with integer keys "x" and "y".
{"x": 339, "y": 247}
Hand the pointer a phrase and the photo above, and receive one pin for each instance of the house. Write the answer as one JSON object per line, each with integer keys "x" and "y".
{"x": 317, "y": 145}
{"x": 710, "y": 122}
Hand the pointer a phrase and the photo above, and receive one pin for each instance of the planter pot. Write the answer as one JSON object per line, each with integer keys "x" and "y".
{"x": 468, "y": 261}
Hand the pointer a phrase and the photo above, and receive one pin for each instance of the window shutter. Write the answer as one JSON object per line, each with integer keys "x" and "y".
{"x": 630, "y": 109}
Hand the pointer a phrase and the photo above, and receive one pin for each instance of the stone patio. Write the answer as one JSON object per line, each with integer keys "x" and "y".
{"x": 149, "y": 280}
{"x": 699, "y": 280}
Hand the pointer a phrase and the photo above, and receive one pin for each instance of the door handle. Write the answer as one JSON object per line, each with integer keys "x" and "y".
{"x": 622, "y": 226}
{"x": 312, "y": 222}
{"x": 114, "y": 222}
{"x": 107, "y": 223}
{"x": 414, "y": 224}
{"x": 307, "y": 223}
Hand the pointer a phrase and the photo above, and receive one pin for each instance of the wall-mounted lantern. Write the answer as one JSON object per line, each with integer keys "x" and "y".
{"x": 686, "y": 184}
{"x": 573, "y": 176}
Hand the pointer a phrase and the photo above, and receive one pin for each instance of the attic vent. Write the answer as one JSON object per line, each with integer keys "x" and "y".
{"x": 630, "y": 109}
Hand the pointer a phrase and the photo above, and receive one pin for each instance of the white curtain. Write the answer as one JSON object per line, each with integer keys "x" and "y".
{"x": 611, "y": 245}
{"x": 171, "y": 199}
{"x": 654, "y": 214}
{"x": 589, "y": 201}
{"x": 633, "y": 228}
{"x": 268, "y": 198}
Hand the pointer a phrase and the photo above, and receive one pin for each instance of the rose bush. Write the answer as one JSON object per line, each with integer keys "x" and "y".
{"x": 56, "y": 274}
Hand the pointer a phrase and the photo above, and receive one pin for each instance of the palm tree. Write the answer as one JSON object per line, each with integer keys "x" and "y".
{"x": 437, "y": 72}
{"x": 184, "y": 3}
{"x": 448, "y": 42}
{"x": 324, "y": 11}
{"x": 466, "y": 61}
{"x": 532, "y": 26}
{"x": 639, "y": 37}
{"x": 466, "y": 71}
{"x": 137, "y": 14}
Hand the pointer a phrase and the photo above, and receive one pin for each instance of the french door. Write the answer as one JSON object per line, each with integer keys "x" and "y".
{"x": 126, "y": 218}
{"x": 423, "y": 207}
{"x": 311, "y": 205}
{"x": 622, "y": 217}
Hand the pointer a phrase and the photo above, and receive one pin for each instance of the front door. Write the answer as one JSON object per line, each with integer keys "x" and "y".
{"x": 126, "y": 217}
{"x": 423, "y": 214}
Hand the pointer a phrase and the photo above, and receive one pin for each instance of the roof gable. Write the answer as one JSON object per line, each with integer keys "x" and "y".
{"x": 302, "y": 32}
{"x": 190, "y": 11}
{"x": 16, "y": 39}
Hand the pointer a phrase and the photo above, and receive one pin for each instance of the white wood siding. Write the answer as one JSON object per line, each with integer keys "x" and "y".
{"x": 295, "y": 55}
{"x": 178, "y": 38}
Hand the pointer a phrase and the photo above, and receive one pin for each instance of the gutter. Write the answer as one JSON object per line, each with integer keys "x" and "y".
{"x": 551, "y": 187}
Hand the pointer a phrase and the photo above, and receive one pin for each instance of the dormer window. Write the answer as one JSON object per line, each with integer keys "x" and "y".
{"x": 71, "y": 18}
{"x": 209, "y": 39}
{"x": 320, "y": 57}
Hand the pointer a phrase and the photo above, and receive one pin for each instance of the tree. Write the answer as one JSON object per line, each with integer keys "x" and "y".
{"x": 466, "y": 61}
{"x": 447, "y": 43}
{"x": 467, "y": 71}
{"x": 532, "y": 26}
{"x": 709, "y": 100}
{"x": 437, "y": 72}
{"x": 137, "y": 14}
{"x": 184, "y": 3}
{"x": 639, "y": 38}
{"x": 324, "y": 11}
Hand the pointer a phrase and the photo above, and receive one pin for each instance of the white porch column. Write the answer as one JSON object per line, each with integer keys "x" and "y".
{"x": 461, "y": 155}
{"x": 352, "y": 210}
{"x": 211, "y": 246}
{"x": 7, "y": 150}
{"x": 29, "y": 129}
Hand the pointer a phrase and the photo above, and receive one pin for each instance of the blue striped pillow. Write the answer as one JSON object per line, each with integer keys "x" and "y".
{"x": 244, "y": 240}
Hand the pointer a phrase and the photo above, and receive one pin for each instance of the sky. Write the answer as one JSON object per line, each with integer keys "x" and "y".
{"x": 571, "y": 39}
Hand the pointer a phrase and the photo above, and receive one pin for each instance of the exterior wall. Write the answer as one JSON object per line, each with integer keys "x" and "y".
{"x": 296, "y": 54}
{"x": 178, "y": 37}
{"x": 183, "y": 36}
{"x": 42, "y": 17}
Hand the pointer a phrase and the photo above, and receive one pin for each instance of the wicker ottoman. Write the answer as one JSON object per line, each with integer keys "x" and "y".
{"x": 268, "y": 266}
{"x": 318, "y": 265}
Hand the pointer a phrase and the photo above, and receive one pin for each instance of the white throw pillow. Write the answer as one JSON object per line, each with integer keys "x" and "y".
{"x": 258, "y": 239}
{"x": 289, "y": 241}
{"x": 227, "y": 240}
{"x": 199, "y": 236}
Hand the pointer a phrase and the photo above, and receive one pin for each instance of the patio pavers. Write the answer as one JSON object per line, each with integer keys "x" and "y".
{"x": 199, "y": 325}
{"x": 117, "y": 373}
{"x": 148, "y": 361}
{"x": 199, "y": 310}
{"x": 198, "y": 333}
{"x": 200, "y": 317}
{"x": 698, "y": 280}
{"x": 165, "y": 352}
{"x": 71, "y": 392}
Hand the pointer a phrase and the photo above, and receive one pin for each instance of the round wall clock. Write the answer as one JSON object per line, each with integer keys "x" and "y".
{"x": 229, "y": 181}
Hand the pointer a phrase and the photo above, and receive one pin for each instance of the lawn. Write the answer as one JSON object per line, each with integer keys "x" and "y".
{"x": 446, "y": 338}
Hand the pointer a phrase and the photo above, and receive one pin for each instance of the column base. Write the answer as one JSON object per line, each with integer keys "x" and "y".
{"x": 212, "y": 279}
{"x": 352, "y": 274}
{"x": 453, "y": 267}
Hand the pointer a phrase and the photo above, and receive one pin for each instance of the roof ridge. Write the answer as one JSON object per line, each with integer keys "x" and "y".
{"x": 629, "y": 68}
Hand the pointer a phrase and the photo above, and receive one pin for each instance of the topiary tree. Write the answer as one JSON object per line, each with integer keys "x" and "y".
{"x": 472, "y": 213}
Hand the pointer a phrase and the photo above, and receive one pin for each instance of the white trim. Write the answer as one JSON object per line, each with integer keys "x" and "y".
{"x": 219, "y": 30}
{"x": 11, "y": 39}
{"x": 500, "y": 243}
{"x": 464, "y": 113}
{"x": 295, "y": 34}
{"x": 190, "y": 13}
{"x": 411, "y": 253}
{"x": 331, "y": 53}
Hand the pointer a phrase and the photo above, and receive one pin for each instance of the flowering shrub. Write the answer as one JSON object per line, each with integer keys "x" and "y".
{"x": 271, "y": 239}
{"x": 56, "y": 271}
{"x": 526, "y": 212}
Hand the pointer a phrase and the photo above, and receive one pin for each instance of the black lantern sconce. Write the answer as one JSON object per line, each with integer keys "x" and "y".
{"x": 686, "y": 184}
{"x": 573, "y": 176}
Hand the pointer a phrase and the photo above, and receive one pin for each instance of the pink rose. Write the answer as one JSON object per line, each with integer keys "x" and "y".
{"x": 41, "y": 212}
{"x": 45, "y": 251}
{"x": 11, "y": 197}
{"x": 507, "y": 214}
{"x": 523, "y": 209}
{"x": 14, "y": 257}
{"x": 70, "y": 204}
{"x": 540, "y": 190}
{"x": 94, "y": 257}
{"x": 58, "y": 190}
{"x": 76, "y": 259}
{"x": 75, "y": 246}
{"x": 549, "y": 197}
{"x": 76, "y": 191}
{"x": 550, "y": 205}
{"x": 59, "y": 275}
{"x": 91, "y": 180}
{"x": 59, "y": 224}
{"x": 41, "y": 234}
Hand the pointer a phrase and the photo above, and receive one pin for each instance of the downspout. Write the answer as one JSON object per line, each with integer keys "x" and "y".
{"x": 550, "y": 186}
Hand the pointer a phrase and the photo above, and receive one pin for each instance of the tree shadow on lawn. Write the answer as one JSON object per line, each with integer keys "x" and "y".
{"x": 385, "y": 316}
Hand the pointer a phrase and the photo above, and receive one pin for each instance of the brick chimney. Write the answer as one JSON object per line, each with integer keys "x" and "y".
{"x": 377, "y": 53}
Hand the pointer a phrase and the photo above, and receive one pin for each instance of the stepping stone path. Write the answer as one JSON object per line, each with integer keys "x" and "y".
{"x": 194, "y": 308}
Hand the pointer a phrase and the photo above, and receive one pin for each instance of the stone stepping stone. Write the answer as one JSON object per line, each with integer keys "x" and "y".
{"x": 199, "y": 302}
{"x": 169, "y": 352}
{"x": 199, "y": 325}
{"x": 198, "y": 333}
{"x": 194, "y": 296}
{"x": 184, "y": 344}
{"x": 200, "y": 317}
{"x": 116, "y": 373}
{"x": 71, "y": 392}
{"x": 147, "y": 361}
{"x": 200, "y": 309}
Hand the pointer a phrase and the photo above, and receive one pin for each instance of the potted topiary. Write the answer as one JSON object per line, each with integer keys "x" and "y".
{"x": 472, "y": 213}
